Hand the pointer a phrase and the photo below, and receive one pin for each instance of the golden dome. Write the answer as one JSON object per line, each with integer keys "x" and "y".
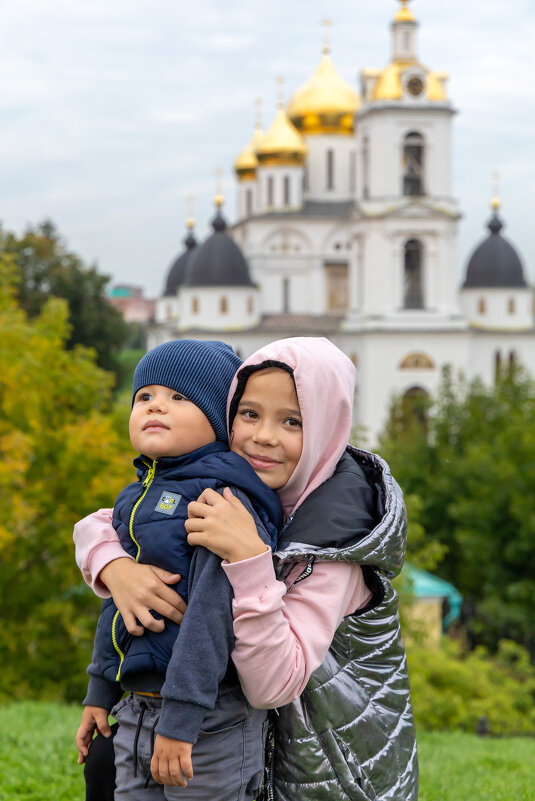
{"x": 246, "y": 163}
{"x": 389, "y": 85}
{"x": 281, "y": 144}
{"x": 326, "y": 103}
{"x": 404, "y": 13}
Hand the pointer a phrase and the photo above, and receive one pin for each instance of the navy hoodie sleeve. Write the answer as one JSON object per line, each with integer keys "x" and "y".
{"x": 202, "y": 649}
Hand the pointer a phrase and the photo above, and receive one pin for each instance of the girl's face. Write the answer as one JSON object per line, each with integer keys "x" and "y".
{"x": 268, "y": 430}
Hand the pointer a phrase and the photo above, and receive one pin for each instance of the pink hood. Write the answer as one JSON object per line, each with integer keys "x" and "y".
{"x": 325, "y": 383}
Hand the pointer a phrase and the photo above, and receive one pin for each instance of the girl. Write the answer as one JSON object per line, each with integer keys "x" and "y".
{"x": 318, "y": 633}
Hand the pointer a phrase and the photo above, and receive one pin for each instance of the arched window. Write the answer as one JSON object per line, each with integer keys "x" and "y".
{"x": 330, "y": 169}
{"x": 270, "y": 193}
{"x": 285, "y": 295}
{"x": 249, "y": 202}
{"x": 417, "y": 361}
{"x": 366, "y": 168}
{"x": 415, "y": 406}
{"x": 497, "y": 365}
{"x": 511, "y": 306}
{"x": 413, "y": 164}
{"x": 286, "y": 190}
{"x": 512, "y": 360}
{"x": 250, "y": 306}
{"x": 223, "y": 305}
{"x": 413, "y": 290}
{"x": 481, "y": 306}
{"x": 195, "y": 305}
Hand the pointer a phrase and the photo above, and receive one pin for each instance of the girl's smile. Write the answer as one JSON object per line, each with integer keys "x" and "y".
{"x": 267, "y": 430}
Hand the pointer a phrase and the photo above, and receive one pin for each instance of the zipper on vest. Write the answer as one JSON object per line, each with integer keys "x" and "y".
{"x": 146, "y": 484}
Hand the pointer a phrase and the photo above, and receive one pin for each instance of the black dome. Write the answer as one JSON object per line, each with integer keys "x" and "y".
{"x": 177, "y": 271}
{"x": 495, "y": 262}
{"x": 218, "y": 261}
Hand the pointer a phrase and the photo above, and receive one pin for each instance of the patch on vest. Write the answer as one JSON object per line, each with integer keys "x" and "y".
{"x": 168, "y": 503}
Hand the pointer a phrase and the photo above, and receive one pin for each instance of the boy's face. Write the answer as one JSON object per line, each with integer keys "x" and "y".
{"x": 165, "y": 423}
{"x": 267, "y": 430}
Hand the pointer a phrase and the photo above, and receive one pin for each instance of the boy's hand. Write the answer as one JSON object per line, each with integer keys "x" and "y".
{"x": 171, "y": 762}
{"x": 224, "y": 526}
{"x": 93, "y": 718}
{"x": 137, "y": 588}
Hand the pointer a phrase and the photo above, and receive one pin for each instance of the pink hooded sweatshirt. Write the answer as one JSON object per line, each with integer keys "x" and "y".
{"x": 282, "y": 636}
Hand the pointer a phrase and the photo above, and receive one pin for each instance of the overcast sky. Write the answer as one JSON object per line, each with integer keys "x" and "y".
{"x": 112, "y": 112}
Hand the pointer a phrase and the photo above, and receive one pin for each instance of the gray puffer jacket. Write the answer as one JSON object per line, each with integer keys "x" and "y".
{"x": 350, "y": 735}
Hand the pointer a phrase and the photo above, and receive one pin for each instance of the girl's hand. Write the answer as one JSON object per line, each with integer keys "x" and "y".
{"x": 93, "y": 718}
{"x": 224, "y": 526}
{"x": 137, "y": 588}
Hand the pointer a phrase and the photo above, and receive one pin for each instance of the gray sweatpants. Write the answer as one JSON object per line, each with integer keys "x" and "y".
{"x": 228, "y": 757}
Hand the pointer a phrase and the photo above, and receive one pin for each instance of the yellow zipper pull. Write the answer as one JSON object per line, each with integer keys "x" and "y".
{"x": 150, "y": 474}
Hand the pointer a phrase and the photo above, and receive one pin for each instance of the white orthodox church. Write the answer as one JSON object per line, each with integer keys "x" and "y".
{"x": 346, "y": 228}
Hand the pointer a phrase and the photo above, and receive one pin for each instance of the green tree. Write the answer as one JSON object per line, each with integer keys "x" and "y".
{"x": 48, "y": 268}
{"x": 64, "y": 452}
{"x": 472, "y": 467}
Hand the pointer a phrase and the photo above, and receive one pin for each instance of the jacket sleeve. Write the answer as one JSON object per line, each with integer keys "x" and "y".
{"x": 283, "y": 632}
{"x": 96, "y": 545}
{"x": 202, "y": 649}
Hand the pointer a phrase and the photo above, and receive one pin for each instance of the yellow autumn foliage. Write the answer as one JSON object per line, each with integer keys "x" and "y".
{"x": 64, "y": 451}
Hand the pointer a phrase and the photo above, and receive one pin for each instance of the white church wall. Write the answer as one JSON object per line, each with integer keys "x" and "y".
{"x": 337, "y": 181}
{"x": 380, "y": 375}
{"x": 218, "y": 308}
{"x": 385, "y": 130}
{"x": 498, "y": 308}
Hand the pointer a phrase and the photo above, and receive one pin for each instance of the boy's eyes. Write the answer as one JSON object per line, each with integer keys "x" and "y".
{"x": 147, "y": 396}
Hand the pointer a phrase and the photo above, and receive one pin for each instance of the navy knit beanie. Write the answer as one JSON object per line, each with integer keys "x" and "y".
{"x": 201, "y": 371}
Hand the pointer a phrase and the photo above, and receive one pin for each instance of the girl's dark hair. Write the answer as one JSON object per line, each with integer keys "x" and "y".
{"x": 243, "y": 376}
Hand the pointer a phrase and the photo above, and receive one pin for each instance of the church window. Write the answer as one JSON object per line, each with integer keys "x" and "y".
{"x": 352, "y": 171}
{"x": 417, "y": 361}
{"x": 286, "y": 190}
{"x": 250, "y": 305}
{"x": 330, "y": 169}
{"x": 223, "y": 305}
{"x": 366, "y": 167}
{"x": 413, "y": 165}
{"x": 511, "y": 306}
{"x": 169, "y": 311}
{"x": 336, "y": 281}
{"x": 415, "y": 407}
{"x": 195, "y": 305}
{"x": 305, "y": 179}
{"x": 497, "y": 365}
{"x": 512, "y": 360}
{"x": 249, "y": 202}
{"x": 285, "y": 295}
{"x": 413, "y": 295}
{"x": 270, "y": 192}
{"x": 481, "y": 306}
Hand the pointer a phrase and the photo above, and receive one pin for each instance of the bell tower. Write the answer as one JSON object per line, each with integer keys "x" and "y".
{"x": 404, "y": 266}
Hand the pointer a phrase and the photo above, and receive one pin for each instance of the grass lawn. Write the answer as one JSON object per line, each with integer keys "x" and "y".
{"x": 38, "y": 760}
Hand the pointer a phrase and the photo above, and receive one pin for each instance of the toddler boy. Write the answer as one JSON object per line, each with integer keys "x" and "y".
{"x": 183, "y": 689}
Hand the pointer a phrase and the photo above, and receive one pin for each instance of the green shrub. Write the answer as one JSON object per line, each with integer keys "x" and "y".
{"x": 452, "y": 690}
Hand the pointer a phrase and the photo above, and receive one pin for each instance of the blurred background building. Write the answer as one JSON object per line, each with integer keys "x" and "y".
{"x": 346, "y": 227}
